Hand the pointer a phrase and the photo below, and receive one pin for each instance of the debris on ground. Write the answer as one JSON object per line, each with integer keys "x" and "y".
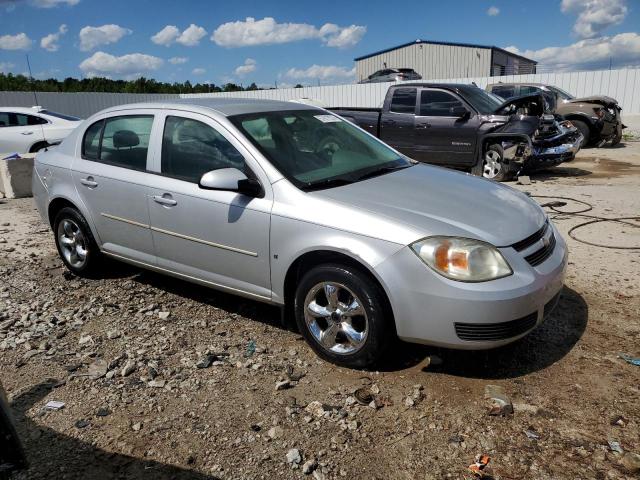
{"x": 479, "y": 468}
{"x": 524, "y": 180}
{"x": 629, "y": 359}
{"x": 294, "y": 457}
{"x": 499, "y": 401}
{"x": 54, "y": 405}
{"x": 615, "y": 446}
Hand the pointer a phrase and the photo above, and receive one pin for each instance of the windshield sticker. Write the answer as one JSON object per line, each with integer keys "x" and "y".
{"x": 328, "y": 118}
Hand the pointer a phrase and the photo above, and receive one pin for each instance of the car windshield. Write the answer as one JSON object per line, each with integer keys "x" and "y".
{"x": 71, "y": 118}
{"x": 315, "y": 149}
{"x": 561, "y": 93}
{"x": 485, "y": 103}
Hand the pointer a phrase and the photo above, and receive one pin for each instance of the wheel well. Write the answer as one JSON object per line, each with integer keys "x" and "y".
{"x": 580, "y": 118}
{"x": 55, "y": 206}
{"x": 319, "y": 257}
{"x": 38, "y": 145}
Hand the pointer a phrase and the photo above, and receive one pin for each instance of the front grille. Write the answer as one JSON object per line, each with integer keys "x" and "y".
{"x": 531, "y": 239}
{"x": 536, "y": 258}
{"x": 496, "y": 331}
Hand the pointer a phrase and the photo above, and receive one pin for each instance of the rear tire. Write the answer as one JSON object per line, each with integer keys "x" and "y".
{"x": 75, "y": 243}
{"x": 583, "y": 128}
{"x": 616, "y": 140}
{"x": 341, "y": 313}
{"x": 492, "y": 165}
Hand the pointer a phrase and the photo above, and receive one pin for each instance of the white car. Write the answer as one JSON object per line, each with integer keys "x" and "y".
{"x": 26, "y": 130}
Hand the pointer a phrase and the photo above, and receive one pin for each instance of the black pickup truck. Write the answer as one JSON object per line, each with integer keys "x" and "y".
{"x": 464, "y": 127}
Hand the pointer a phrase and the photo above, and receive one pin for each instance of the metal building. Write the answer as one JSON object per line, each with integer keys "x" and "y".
{"x": 437, "y": 60}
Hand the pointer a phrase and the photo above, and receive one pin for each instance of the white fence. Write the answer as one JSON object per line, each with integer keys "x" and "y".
{"x": 623, "y": 85}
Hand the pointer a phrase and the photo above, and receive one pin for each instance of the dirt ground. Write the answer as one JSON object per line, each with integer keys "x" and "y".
{"x": 162, "y": 379}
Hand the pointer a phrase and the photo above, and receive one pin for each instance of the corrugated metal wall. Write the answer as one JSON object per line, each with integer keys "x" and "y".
{"x": 623, "y": 85}
{"x": 430, "y": 61}
{"x": 81, "y": 105}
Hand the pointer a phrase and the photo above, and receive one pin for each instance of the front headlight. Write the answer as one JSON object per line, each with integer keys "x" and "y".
{"x": 462, "y": 259}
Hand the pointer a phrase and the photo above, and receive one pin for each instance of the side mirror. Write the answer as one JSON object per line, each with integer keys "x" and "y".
{"x": 460, "y": 112}
{"x": 232, "y": 180}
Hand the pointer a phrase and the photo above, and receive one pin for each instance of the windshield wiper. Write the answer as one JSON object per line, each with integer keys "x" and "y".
{"x": 381, "y": 171}
{"x": 329, "y": 183}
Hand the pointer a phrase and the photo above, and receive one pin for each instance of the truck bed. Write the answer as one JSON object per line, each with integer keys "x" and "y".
{"x": 366, "y": 118}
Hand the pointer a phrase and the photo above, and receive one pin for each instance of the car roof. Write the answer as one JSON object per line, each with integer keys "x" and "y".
{"x": 29, "y": 110}
{"x": 532, "y": 84}
{"x": 224, "y": 106}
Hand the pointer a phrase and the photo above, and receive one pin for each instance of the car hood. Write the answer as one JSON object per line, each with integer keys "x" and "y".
{"x": 437, "y": 201}
{"x": 598, "y": 99}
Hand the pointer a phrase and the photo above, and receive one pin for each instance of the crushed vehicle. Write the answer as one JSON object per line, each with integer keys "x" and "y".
{"x": 356, "y": 243}
{"x": 598, "y": 117}
{"x": 392, "y": 75}
{"x": 464, "y": 127}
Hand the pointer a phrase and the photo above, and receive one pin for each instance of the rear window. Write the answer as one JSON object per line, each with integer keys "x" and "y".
{"x": 403, "y": 100}
{"x": 504, "y": 91}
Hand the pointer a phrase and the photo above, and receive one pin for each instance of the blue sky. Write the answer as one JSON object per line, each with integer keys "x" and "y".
{"x": 301, "y": 41}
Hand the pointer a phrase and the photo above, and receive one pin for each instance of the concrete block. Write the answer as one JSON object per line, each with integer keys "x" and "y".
{"x": 15, "y": 175}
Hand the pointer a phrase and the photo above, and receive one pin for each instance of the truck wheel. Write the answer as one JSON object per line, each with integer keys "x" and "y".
{"x": 618, "y": 137}
{"x": 492, "y": 165}
{"x": 340, "y": 313}
{"x": 583, "y": 128}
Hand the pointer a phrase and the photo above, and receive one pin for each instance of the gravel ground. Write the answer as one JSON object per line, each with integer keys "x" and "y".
{"x": 163, "y": 379}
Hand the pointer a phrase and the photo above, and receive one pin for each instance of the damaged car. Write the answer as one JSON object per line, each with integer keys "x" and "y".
{"x": 463, "y": 127}
{"x": 597, "y": 117}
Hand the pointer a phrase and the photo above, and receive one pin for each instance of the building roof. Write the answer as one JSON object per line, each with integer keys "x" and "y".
{"x": 451, "y": 44}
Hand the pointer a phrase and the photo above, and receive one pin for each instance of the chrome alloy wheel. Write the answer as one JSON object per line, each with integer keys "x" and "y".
{"x": 72, "y": 243}
{"x": 492, "y": 164}
{"x": 336, "y": 318}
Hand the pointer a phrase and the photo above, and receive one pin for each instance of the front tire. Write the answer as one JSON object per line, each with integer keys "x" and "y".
{"x": 341, "y": 313}
{"x": 583, "y": 128}
{"x": 492, "y": 165}
{"x": 75, "y": 243}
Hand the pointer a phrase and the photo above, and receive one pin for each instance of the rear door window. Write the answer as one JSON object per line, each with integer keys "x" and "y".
{"x": 403, "y": 101}
{"x": 504, "y": 91}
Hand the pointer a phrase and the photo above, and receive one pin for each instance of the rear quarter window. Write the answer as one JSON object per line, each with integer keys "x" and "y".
{"x": 403, "y": 100}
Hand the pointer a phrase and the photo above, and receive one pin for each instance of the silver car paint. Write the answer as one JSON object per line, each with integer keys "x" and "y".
{"x": 246, "y": 246}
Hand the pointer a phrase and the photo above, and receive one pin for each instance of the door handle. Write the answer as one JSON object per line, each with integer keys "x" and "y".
{"x": 27, "y": 133}
{"x": 389, "y": 122}
{"x": 165, "y": 200}
{"x": 89, "y": 182}
{"x": 423, "y": 126}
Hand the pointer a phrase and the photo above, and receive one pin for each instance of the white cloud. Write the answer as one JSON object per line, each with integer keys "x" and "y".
{"x": 92, "y": 37}
{"x": 166, "y": 36}
{"x": 50, "y": 42}
{"x": 623, "y": 49}
{"x": 20, "y": 41}
{"x": 132, "y": 65}
{"x": 178, "y": 60}
{"x": 268, "y": 32}
{"x": 594, "y": 16}
{"x": 191, "y": 36}
{"x": 249, "y": 66}
{"x": 493, "y": 11}
{"x": 53, "y": 3}
{"x": 6, "y": 67}
{"x": 170, "y": 34}
{"x": 322, "y": 72}
{"x": 198, "y": 71}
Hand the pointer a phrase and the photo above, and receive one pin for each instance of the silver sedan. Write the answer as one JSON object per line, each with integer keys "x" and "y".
{"x": 291, "y": 205}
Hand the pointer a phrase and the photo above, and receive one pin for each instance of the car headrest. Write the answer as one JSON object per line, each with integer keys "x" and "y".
{"x": 125, "y": 138}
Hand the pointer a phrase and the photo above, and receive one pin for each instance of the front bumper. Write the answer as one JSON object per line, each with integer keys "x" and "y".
{"x": 433, "y": 310}
{"x": 550, "y": 155}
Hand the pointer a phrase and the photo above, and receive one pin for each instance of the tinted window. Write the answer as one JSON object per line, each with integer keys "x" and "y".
{"x": 504, "y": 91}
{"x": 436, "y": 103}
{"x": 91, "y": 141}
{"x": 526, "y": 90}
{"x": 403, "y": 100}
{"x": 125, "y": 141}
{"x": 10, "y": 119}
{"x": 4, "y": 119}
{"x": 191, "y": 148}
